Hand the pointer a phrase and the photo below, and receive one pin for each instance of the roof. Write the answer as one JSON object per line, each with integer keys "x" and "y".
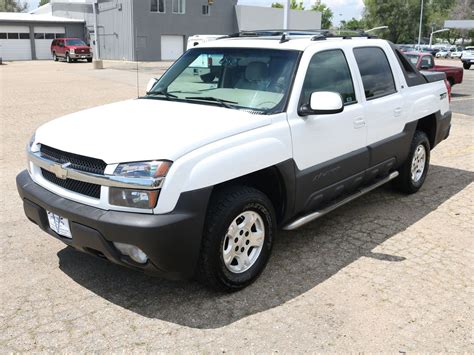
{"x": 43, "y": 9}
{"x": 27, "y": 17}
{"x": 293, "y": 43}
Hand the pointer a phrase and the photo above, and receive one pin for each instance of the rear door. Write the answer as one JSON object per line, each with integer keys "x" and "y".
{"x": 385, "y": 112}
{"x": 329, "y": 150}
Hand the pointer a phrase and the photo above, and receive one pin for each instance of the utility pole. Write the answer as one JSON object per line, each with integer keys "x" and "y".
{"x": 286, "y": 14}
{"x": 421, "y": 23}
{"x": 96, "y": 33}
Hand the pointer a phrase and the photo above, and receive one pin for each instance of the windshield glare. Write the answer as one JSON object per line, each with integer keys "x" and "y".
{"x": 75, "y": 42}
{"x": 252, "y": 79}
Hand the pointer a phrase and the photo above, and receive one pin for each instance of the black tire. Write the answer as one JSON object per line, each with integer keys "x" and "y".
{"x": 466, "y": 66}
{"x": 68, "y": 58}
{"x": 55, "y": 57}
{"x": 405, "y": 182}
{"x": 225, "y": 206}
{"x": 89, "y": 60}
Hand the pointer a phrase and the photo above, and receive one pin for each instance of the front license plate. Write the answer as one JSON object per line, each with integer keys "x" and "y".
{"x": 59, "y": 224}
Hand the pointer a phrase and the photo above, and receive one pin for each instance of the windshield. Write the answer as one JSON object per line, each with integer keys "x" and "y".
{"x": 413, "y": 58}
{"x": 238, "y": 78}
{"x": 75, "y": 42}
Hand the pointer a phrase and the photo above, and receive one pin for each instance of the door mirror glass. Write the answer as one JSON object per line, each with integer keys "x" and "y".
{"x": 150, "y": 84}
{"x": 323, "y": 103}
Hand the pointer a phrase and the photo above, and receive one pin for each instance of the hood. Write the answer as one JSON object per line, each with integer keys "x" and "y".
{"x": 138, "y": 130}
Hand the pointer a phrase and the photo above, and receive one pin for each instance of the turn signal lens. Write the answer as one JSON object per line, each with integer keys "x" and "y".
{"x": 133, "y": 198}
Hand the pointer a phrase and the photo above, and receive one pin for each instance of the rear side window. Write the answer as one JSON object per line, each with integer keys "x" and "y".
{"x": 375, "y": 71}
{"x": 329, "y": 71}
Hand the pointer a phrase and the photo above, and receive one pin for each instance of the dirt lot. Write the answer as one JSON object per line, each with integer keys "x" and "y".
{"x": 387, "y": 273}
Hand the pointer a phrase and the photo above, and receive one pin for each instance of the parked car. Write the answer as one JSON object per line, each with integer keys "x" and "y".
{"x": 432, "y": 51}
{"x": 71, "y": 49}
{"x": 443, "y": 53}
{"x": 425, "y": 61}
{"x": 195, "y": 178}
{"x": 467, "y": 57}
{"x": 455, "y": 52}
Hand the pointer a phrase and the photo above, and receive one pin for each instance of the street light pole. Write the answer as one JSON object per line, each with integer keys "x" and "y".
{"x": 432, "y": 33}
{"x": 376, "y": 28}
{"x": 421, "y": 23}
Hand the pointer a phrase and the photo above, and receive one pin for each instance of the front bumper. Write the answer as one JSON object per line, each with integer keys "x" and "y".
{"x": 172, "y": 241}
{"x": 80, "y": 55}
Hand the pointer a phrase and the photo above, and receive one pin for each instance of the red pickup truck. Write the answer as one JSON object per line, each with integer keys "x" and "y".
{"x": 425, "y": 61}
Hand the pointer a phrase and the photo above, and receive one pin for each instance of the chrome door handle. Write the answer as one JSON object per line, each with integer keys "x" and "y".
{"x": 397, "y": 112}
{"x": 359, "y": 122}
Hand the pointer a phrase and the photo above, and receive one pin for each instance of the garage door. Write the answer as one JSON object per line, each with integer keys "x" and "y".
{"x": 171, "y": 47}
{"x": 15, "y": 43}
{"x": 43, "y": 37}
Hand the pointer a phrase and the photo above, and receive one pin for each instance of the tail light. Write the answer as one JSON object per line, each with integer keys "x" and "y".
{"x": 448, "y": 87}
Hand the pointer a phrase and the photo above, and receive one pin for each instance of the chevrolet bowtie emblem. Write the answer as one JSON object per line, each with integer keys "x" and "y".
{"x": 60, "y": 170}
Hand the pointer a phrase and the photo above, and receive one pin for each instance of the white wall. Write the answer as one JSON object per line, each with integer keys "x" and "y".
{"x": 265, "y": 18}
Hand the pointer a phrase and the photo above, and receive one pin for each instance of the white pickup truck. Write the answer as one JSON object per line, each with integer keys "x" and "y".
{"x": 195, "y": 178}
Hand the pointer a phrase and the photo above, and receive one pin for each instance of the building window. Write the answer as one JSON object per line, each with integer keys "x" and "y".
{"x": 3, "y": 35}
{"x": 49, "y": 35}
{"x": 157, "y": 6}
{"x": 179, "y": 6}
{"x": 24, "y": 36}
{"x": 206, "y": 10}
{"x": 60, "y": 35}
{"x": 39, "y": 35}
{"x": 13, "y": 36}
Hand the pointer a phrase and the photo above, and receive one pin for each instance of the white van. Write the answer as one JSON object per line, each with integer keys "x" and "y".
{"x": 195, "y": 40}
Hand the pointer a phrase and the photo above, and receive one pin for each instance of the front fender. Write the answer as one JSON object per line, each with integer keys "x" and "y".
{"x": 225, "y": 160}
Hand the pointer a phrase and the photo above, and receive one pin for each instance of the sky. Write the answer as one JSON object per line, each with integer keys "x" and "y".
{"x": 343, "y": 9}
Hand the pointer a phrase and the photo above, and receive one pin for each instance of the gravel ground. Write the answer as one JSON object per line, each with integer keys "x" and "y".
{"x": 388, "y": 272}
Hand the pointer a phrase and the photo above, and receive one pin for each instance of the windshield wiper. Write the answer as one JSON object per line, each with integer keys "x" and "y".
{"x": 163, "y": 93}
{"x": 224, "y": 103}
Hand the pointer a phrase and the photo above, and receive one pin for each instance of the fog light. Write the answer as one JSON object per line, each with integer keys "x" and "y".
{"x": 133, "y": 198}
{"x": 135, "y": 253}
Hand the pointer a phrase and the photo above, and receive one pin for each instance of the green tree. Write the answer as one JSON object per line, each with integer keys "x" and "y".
{"x": 12, "y": 6}
{"x": 401, "y": 17}
{"x": 354, "y": 24}
{"x": 43, "y": 2}
{"x": 326, "y": 14}
{"x": 294, "y": 5}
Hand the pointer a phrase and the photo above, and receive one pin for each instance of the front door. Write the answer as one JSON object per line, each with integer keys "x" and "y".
{"x": 329, "y": 151}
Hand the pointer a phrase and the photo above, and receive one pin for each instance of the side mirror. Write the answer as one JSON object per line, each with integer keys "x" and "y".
{"x": 323, "y": 103}
{"x": 150, "y": 84}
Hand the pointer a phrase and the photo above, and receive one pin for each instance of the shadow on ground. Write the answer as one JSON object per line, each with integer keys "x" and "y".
{"x": 300, "y": 261}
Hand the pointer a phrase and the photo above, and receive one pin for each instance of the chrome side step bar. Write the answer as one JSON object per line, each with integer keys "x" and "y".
{"x": 317, "y": 214}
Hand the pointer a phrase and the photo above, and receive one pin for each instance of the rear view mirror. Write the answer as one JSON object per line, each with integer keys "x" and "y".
{"x": 323, "y": 103}
{"x": 150, "y": 84}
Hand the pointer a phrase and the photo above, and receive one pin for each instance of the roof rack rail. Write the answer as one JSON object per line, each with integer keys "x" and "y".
{"x": 285, "y": 35}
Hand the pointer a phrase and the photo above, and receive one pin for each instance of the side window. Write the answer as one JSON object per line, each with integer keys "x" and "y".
{"x": 375, "y": 71}
{"x": 329, "y": 71}
{"x": 426, "y": 62}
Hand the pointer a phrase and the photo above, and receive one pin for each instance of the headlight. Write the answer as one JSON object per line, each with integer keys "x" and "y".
{"x": 145, "y": 199}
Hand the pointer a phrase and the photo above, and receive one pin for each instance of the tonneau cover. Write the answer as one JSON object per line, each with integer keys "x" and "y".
{"x": 432, "y": 76}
